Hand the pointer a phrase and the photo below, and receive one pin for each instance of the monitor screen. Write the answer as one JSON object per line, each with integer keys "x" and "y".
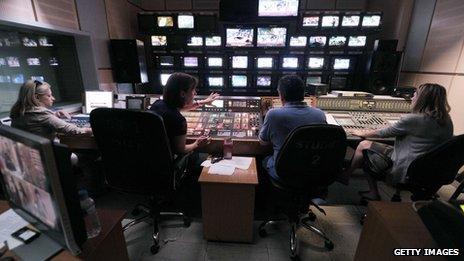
{"x": 239, "y": 80}
{"x": 337, "y": 41}
{"x": 185, "y": 22}
{"x": 330, "y": 21}
{"x": 357, "y": 41}
{"x": 158, "y": 40}
{"x": 17, "y": 78}
{"x": 351, "y": 20}
{"x": 313, "y": 79}
{"x": 38, "y": 78}
{"x": 216, "y": 81}
{"x": 239, "y": 37}
{"x": 53, "y": 61}
{"x": 2, "y": 62}
{"x": 215, "y": 61}
{"x": 98, "y": 99}
{"x": 166, "y": 61}
{"x": 317, "y": 41}
{"x": 28, "y": 42}
{"x": 5, "y": 78}
{"x": 341, "y": 64}
{"x": 310, "y": 21}
{"x": 213, "y": 41}
{"x": 298, "y": 41}
{"x": 371, "y": 20}
{"x": 264, "y": 62}
{"x": 271, "y": 36}
{"x": 44, "y": 41}
{"x": 263, "y": 81}
{"x": 12, "y": 61}
{"x": 239, "y": 62}
{"x": 33, "y": 61}
{"x": 195, "y": 41}
{"x": 290, "y": 62}
{"x": 278, "y": 7}
{"x": 190, "y": 61}
{"x": 165, "y": 21}
{"x": 164, "y": 78}
{"x": 315, "y": 62}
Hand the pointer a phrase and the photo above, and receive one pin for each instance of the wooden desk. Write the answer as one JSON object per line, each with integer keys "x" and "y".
{"x": 109, "y": 245}
{"x": 393, "y": 225}
{"x": 228, "y": 204}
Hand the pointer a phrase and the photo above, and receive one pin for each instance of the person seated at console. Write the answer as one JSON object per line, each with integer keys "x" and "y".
{"x": 178, "y": 95}
{"x": 31, "y": 112}
{"x": 427, "y": 126}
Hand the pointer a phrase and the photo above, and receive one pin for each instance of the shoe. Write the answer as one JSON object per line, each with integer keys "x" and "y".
{"x": 365, "y": 200}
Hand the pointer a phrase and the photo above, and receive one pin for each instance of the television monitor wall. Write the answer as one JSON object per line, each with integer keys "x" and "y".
{"x": 190, "y": 61}
{"x": 337, "y": 41}
{"x": 317, "y": 41}
{"x": 195, "y": 41}
{"x": 240, "y": 62}
{"x": 33, "y": 61}
{"x": 164, "y": 78}
{"x": 239, "y": 80}
{"x": 371, "y": 21}
{"x": 263, "y": 81}
{"x": 298, "y": 41}
{"x": 215, "y": 61}
{"x": 341, "y": 64}
{"x": 315, "y": 62}
{"x": 290, "y": 62}
{"x": 239, "y": 37}
{"x": 351, "y": 20}
{"x": 264, "y": 62}
{"x": 185, "y": 22}
{"x": 158, "y": 40}
{"x": 357, "y": 41}
{"x": 166, "y": 61}
{"x": 165, "y": 21}
{"x": 278, "y": 7}
{"x": 330, "y": 21}
{"x": 311, "y": 21}
{"x": 216, "y": 81}
{"x": 271, "y": 36}
{"x": 213, "y": 41}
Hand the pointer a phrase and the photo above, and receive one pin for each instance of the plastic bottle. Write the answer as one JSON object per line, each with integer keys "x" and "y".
{"x": 92, "y": 223}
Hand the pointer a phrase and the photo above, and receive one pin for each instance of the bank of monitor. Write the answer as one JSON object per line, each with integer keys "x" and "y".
{"x": 265, "y": 62}
{"x": 337, "y": 41}
{"x": 338, "y": 82}
{"x": 33, "y": 61}
{"x": 166, "y": 61}
{"x": 185, "y": 21}
{"x": 164, "y": 78}
{"x": 330, "y": 21}
{"x": 271, "y": 36}
{"x": 239, "y": 37}
{"x": 98, "y": 99}
{"x": 239, "y": 81}
{"x": 278, "y": 7}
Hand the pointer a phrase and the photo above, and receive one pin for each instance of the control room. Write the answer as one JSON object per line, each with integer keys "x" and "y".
{"x": 231, "y": 129}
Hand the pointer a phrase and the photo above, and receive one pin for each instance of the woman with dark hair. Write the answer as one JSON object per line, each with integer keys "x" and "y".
{"x": 427, "y": 126}
{"x": 178, "y": 95}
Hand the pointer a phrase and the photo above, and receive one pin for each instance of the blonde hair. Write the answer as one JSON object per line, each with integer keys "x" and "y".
{"x": 431, "y": 101}
{"x": 27, "y": 97}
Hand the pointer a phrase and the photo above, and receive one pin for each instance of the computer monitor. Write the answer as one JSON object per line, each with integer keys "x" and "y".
{"x": 215, "y": 61}
{"x": 330, "y": 21}
{"x": 164, "y": 78}
{"x": 215, "y": 81}
{"x": 264, "y": 62}
{"x": 38, "y": 78}
{"x": 341, "y": 63}
{"x": 213, "y": 41}
{"x": 12, "y": 61}
{"x": 337, "y": 41}
{"x": 166, "y": 61}
{"x": 239, "y": 37}
{"x": 98, "y": 99}
{"x": 33, "y": 61}
{"x": 317, "y": 41}
{"x": 371, "y": 21}
{"x": 191, "y": 61}
{"x": 165, "y": 21}
{"x": 159, "y": 40}
{"x": 290, "y": 63}
{"x": 195, "y": 41}
{"x": 29, "y": 42}
{"x": 39, "y": 185}
{"x": 17, "y": 78}
{"x": 278, "y": 7}
{"x": 263, "y": 81}
{"x": 357, "y": 41}
{"x": 239, "y": 81}
{"x": 310, "y": 21}
{"x": 44, "y": 41}
{"x": 350, "y": 20}
{"x": 313, "y": 79}
{"x": 316, "y": 63}
{"x": 298, "y": 41}
{"x": 185, "y": 21}
{"x": 271, "y": 37}
{"x": 239, "y": 62}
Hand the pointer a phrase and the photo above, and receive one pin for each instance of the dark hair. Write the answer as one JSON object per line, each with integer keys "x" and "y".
{"x": 291, "y": 88}
{"x": 176, "y": 83}
{"x": 431, "y": 101}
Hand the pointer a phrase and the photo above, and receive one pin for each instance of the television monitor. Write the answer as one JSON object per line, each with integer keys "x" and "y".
{"x": 165, "y": 21}
{"x": 53, "y": 61}
{"x": 271, "y": 36}
{"x": 38, "y": 78}
{"x": 98, "y": 99}
{"x": 337, "y": 41}
{"x": 338, "y": 83}
{"x": 310, "y": 21}
{"x": 159, "y": 40}
{"x": 317, "y": 41}
{"x": 12, "y": 61}
{"x": 164, "y": 78}
{"x": 351, "y": 20}
{"x": 315, "y": 62}
{"x": 263, "y": 81}
{"x": 330, "y": 21}
{"x": 185, "y": 22}
{"x": 239, "y": 80}
{"x": 44, "y": 41}
{"x": 313, "y": 79}
{"x": 215, "y": 81}
{"x": 17, "y": 78}
{"x": 214, "y": 61}
{"x": 290, "y": 62}
{"x": 33, "y": 61}
{"x": 239, "y": 37}
{"x": 191, "y": 61}
{"x": 213, "y": 41}
{"x": 357, "y": 41}
{"x": 2, "y": 62}
{"x": 239, "y": 62}
{"x": 298, "y": 41}
{"x": 166, "y": 61}
{"x": 39, "y": 185}
{"x": 5, "y": 79}
{"x": 341, "y": 64}
{"x": 264, "y": 62}
{"x": 371, "y": 21}
{"x": 29, "y": 42}
{"x": 195, "y": 41}
{"x": 278, "y": 7}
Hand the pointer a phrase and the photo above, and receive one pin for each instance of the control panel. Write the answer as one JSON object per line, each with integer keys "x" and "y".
{"x": 232, "y": 104}
{"x": 354, "y": 120}
{"x": 387, "y": 104}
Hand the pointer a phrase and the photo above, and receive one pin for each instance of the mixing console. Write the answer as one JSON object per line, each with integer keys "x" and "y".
{"x": 353, "y": 120}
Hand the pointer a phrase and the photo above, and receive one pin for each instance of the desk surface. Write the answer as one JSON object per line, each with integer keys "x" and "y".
{"x": 248, "y": 176}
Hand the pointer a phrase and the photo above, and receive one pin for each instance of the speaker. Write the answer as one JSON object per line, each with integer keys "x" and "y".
{"x": 382, "y": 71}
{"x": 238, "y": 10}
{"x": 128, "y": 61}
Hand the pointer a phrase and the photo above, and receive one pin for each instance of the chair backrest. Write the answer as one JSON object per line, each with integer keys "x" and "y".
{"x": 312, "y": 156}
{"x": 135, "y": 150}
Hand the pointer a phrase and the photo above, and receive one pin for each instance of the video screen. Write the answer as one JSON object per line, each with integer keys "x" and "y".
{"x": 263, "y": 81}
{"x": 213, "y": 41}
{"x": 5, "y": 79}
{"x": 17, "y": 78}
{"x": 298, "y": 41}
{"x": 337, "y": 41}
{"x": 190, "y": 61}
{"x": 351, "y": 20}
{"x": 371, "y": 20}
{"x": 12, "y": 61}
{"x": 313, "y": 79}
{"x": 2, "y": 62}
{"x": 33, "y": 61}
{"x": 271, "y": 36}
{"x": 166, "y": 61}
{"x": 315, "y": 62}
{"x": 239, "y": 62}
{"x": 216, "y": 81}
{"x": 264, "y": 62}
{"x": 158, "y": 40}
{"x": 239, "y": 37}
{"x": 290, "y": 62}
{"x": 164, "y": 78}
{"x": 239, "y": 80}
{"x": 38, "y": 78}
{"x": 53, "y": 61}
{"x": 317, "y": 41}
{"x": 165, "y": 21}
{"x": 185, "y": 22}
{"x": 195, "y": 41}
{"x": 44, "y": 41}
{"x": 357, "y": 41}
{"x": 215, "y": 61}
{"x": 28, "y": 42}
{"x": 310, "y": 21}
{"x": 341, "y": 64}
{"x": 330, "y": 21}
{"x": 278, "y": 7}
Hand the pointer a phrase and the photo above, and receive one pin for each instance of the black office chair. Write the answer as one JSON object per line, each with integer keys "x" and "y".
{"x": 137, "y": 159}
{"x": 309, "y": 161}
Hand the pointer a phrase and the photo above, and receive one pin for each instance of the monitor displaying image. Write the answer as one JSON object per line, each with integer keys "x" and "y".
{"x": 315, "y": 62}
{"x": 166, "y": 61}
{"x": 28, "y": 42}
{"x": 357, "y": 41}
{"x": 5, "y": 79}
{"x": 317, "y": 41}
{"x": 337, "y": 41}
{"x": 33, "y": 61}
{"x": 298, "y": 41}
{"x": 12, "y": 61}
{"x": 351, "y": 20}
{"x": 330, "y": 21}
{"x": 313, "y": 79}
{"x": 371, "y": 21}
{"x": 53, "y": 61}
{"x": 213, "y": 41}
{"x": 341, "y": 64}
{"x": 239, "y": 37}
{"x": 278, "y": 7}
{"x": 164, "y": 78}
{"x": 271, "y": 36}
{"x": 2, "y": 62}
{"x": 44, "y": 41}
{"x": 185, "y": 22}
{"x": 214, "y": 61}
{"x": 239, "y": 62}
{"x": 264, "y": 62}
{"x": 216, "y": 81}
{"x": 17, "y": 78}
{"x": 239, "y": 80}
{"x": 310, "y": 21}
{"x": 263, "y": 81}
{"x": 158, "y": 40}
{"x": 190, "y": 61}
{"x": 290, "y": 62}
{"x": 165, "y": 21}
{"x": 38, "y": 78}
{"x": 195, "y": 41}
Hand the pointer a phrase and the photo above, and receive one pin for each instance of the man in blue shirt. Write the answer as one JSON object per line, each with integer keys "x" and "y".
{"x": 279, "y": 122}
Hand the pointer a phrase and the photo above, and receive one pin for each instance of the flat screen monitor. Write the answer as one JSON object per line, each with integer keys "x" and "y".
{"x": 165, "y": 21}
{"x": 98, "y": 99}
{"x": 12, "y": 61}
{"x": 239, "y": 80}
{"x": 29, "y": 42}
{"x": 33, "y": 61}
{"x": 271, "y": 36}
{"x": 185, "y": 22}
{"x": 5, "y": 79}
{"x": 290, "y": 62}
{"x": 239, "y": 62}
{"x": 17, "y": 78}
{"x": 298, "y": 41}
{"x": 371, "y": 21}
{"x": 351, "y": 20}
{"x": 264, "y": 62}
{"x": 315, "y": 62}
{"x": 44, "y": 41}
{"x": 341, "y": 64}
{"x": 278, "y": 7}
{"x": 239, "y": 37}
{"x": 263, "y": 81}
{"x": 317, "y": 41}
{"x": 213, "y": 41}
{"x": 191, "y": 61}
{"x": 166, "y": 61}
{"x": 215, "y": 61}
{"x": 164, "y": 78}
{"x": 313, "y": 79}
{"x": 195, "y": 41}
{"x": 337, "y": 41}
{"x": 159, "y": 40}
{"x": 357, "y": 41}
{"x": 216, "y": 81}
{"x": 330, "y": 21}
{"x": 310, "y": 21}
{"x": 38, "y": 78}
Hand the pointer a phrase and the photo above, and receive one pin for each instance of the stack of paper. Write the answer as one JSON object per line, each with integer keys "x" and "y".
{"x": 9, "y": 223}
{"x": 227, "y": 167}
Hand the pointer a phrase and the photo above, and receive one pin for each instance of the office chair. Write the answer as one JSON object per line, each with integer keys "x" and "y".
{"x": 309, "y": 161}
{"x": 137, "y": 159}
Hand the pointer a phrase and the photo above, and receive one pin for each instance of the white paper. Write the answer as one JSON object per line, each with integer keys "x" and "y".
{"x": 9, "y": 223}
{"x": 236, "y": 162}
{"x": 221, "y": 170}
{"x": 330, "y": 119}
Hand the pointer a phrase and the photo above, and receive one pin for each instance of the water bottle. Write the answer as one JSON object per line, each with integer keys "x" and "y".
{"x": 92, "y": 224}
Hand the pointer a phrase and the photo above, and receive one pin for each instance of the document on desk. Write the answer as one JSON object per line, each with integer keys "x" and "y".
{"x": 9, "y": 223}
{"x": 330, "y": 119}
{"x": 219, "y": 169}
{"x": 227, "y": 167}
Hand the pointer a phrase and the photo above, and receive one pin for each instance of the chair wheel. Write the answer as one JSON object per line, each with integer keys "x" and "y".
{"x": 135, "y": 212}
{"x": 262, "y": 232}
{"x": 329, "y": 245}
{"x": 187, "y": 222}
{"x": 154, "y": 249}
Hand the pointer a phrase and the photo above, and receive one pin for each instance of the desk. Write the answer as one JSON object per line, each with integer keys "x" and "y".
{"x": 109, "y": 245}
{"x": 228, "y": 203}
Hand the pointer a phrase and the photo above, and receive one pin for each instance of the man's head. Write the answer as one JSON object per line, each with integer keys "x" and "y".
{"x": 291, "y": 88}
